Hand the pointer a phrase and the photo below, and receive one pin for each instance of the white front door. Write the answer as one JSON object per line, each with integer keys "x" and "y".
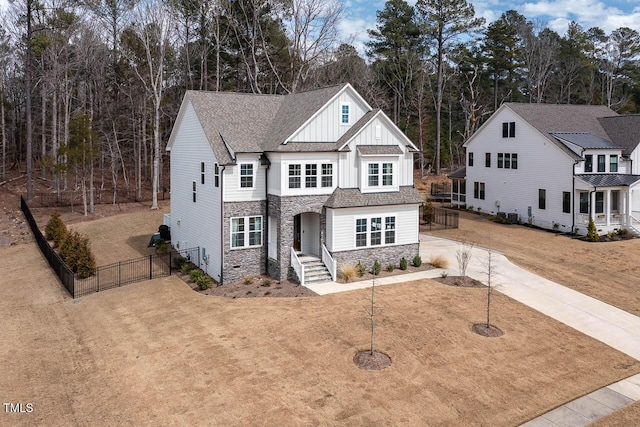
{"x": 310, "y": 237}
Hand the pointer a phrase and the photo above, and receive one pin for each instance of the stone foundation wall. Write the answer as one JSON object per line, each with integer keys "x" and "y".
{"x": 385, "y": 255}
{"x": 239, "y": 263}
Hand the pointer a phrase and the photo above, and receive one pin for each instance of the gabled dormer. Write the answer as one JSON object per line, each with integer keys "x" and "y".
{"x": 598, "y": 155}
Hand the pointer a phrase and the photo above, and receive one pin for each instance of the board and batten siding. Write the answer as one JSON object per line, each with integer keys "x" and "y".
{"x": 326, "y": 126}
{"x": 541, "y": 165}
{"x": 350, "y": 162}
{"x": 341, "y": 224}
{"x": 195, "y": 224}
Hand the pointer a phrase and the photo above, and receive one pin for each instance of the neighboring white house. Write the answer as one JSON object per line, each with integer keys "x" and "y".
{"x": 555, "y": 166}
{"x": 266, "y": 184}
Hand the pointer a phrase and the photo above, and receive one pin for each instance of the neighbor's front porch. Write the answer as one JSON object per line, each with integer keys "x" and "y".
{"x": 612, "y": 208}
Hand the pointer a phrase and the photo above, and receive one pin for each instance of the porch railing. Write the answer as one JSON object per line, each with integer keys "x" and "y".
{"x": 329, "y": 262}
{"x": 601, "y": 219}
{"x": 297, "y": 266}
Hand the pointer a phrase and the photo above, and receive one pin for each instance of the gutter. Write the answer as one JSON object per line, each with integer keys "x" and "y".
{"x": 264, "y": 160}
{"x": 573, "y": 197}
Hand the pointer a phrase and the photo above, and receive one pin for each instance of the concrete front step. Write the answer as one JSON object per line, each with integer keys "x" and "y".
{"x": 314, "y": 270}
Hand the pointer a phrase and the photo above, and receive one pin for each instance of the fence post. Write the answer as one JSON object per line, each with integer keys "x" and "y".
{"x": 150, "y": 268}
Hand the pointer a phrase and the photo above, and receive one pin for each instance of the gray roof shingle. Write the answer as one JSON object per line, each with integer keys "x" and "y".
{"x": 623, "y": 130}
{"x": 353, "y": 198}
{"x": 459, "y": 173}
{"x": 357, "y": 126}
{"x": 554, "y": 118}
{"x": 609, "y": 180}
{"x": 379, "y": 149}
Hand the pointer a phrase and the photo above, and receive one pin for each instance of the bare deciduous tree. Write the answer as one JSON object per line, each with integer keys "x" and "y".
{"x": 463, "y": 256}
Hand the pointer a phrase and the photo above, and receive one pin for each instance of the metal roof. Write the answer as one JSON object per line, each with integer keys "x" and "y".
{"x": 609, "y": 180}
{"x": 585, "y": 140}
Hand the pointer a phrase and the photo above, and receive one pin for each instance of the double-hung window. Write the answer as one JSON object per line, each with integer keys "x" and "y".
{"x": 390, "y": 230}
{"x": 500, "y": 160}
{"x": 311, "y": 175}
{"x": 584, "y": 202}
{"x": 602, "y": 163}
{"x": 487, "y": 160}
{"x": 507, "y": 160}
{"x": 588, "y": 163}
{"x": 374, "y": 178}
{"x": 387, "y": 174}
{"x": 478, "y": 190}
{"x": 542, "y": 198}
{"x": 599, "y": 202}
{"x": 376, "y": 231}
{"x": 566, "y": 202}
{"x": 509, "y": 129}
{"x": 246, "y": 231}
{"x": 613, "y": 163}
{"x": 470, "y": 161}
{"x": 202, "y": 169}
{"x": 345, "y": 117}
{"x": 246, "y": 175}
{"x": 327, "y": 175}
{"x": 361, "y": 232}
{"x": 193, "y": 189}
{"x": 216, "y": 174}
{"x": 295, "y": 179}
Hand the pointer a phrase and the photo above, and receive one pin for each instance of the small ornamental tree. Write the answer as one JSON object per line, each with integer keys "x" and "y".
{"x": 86, "y": 262}
{"x": 69, "y": 250}
{"x": 55, "y": 229}
{"x": 592, "y": 231}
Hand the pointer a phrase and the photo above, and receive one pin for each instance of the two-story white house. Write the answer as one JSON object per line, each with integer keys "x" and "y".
{"x": 290, "y": 185}
{"x": 556, "y": 166}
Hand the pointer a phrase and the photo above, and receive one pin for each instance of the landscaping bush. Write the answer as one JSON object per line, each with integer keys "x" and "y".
{"x": 390, "y": 268}
{"x": 266, "y": 282}
{"x": 203, "y": 282}
{"x": 162, "y": 246}
{"x": 376, "y": 268}
{"x": 179, "y": 261}
{"x": 186, "y": 268}
{"x": 347, "y": 272}
{"x": 56, "y": 230}
{"x": 86, "y": 261}
{"x": 69, "y": 250}
{"x": 248, "y": 280}
{"x": 438, "y": 261}
{"x": 428, "y": 213}
{"x": 623, "y": 232}
{"x": 417, "y": 261}
{"x": 403, "y": 263}
{"x": 592, "y": 231}
{"x": 194, "y": 275}
{"x": 360, "y": 270}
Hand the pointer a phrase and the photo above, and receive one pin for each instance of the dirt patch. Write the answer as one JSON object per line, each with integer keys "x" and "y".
{"x": 371, "y": 361}
{"x": 489, "y": 332}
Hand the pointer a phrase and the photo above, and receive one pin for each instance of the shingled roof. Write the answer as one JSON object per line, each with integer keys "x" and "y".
{"x": 554, "y": 118}
{"x": 623, "y": 130}
{"x": 354, "y": 198}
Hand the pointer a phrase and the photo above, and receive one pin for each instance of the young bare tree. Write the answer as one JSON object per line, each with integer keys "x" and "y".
{"x": 463, "y": 256}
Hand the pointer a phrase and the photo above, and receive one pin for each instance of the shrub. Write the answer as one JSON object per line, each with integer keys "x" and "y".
{"x": 390, "y": 268}
{"x": 69, "y": 250}
{"x": 179, "y": 261}
{"x": 86, "y": 262}
{"x": 248, "y": 280}
{"x": 612, "y": 235}
{"x": 623, "y": 232}
{"x": 403, "y": 263}
{"x": 347, "y": 272}
{"x": 194, "y": 275}
{"x": 438, "y": 261}
{"x": 428, "y": 214}
{"x": 266, "y": 282}
{"x": 360, "y": 270}
{"x": 417, "y": 261}
{"x": 203, "y": 282}
{"x": 444, "y": 274}
{"x": 186, "y": 268}
{"x": 56, "y": 230}
{"x": 592, "y": 231}
{"x": 376, "y": 268}
{"x": 163, "y": 248}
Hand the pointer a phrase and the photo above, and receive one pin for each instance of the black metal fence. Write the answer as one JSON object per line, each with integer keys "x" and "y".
{"x": 65, "y": 274}
{"x": 134, "y": 270}
{"x": 440, "y": 191}
{"x": 74, "y": 198}
{"x": 112, "y": 275}
{"x": 441, "y": 218}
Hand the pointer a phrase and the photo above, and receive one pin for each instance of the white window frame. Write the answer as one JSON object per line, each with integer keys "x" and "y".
{"x": 310, "y": 176}
{"x": 297, "y": 177}
{"x": 342, "y": 113}
{"x": 323, "y": 175}
{"x": 216, "y": 174}
{"x": 253, "y": 175}
{"x": 246, "y": 231}
{"x": 366, "y": 187}
{"x": 369, "y": 232}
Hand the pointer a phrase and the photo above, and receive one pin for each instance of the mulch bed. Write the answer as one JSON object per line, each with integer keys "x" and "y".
{"x": 371, "y": 361}
{"x": 259, "y": 287}
{"x": 490, "y": 332}
{"x": 385, "y": 273}
{"x": 460, "y": 281}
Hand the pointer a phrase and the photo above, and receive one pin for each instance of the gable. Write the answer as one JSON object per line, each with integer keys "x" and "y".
{"x": 188, "y": 132}
{"x": 325, "y": 125}
{"x": 378, "y": 130}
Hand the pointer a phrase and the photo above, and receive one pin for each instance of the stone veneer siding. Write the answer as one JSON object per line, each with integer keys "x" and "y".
{"x": 239, "y": 263}
{"x": 283, "y": 209}
{"x": 385, "y": 255}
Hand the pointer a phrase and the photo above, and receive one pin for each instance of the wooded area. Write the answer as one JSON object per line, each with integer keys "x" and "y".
{"x": 90, "y": 90}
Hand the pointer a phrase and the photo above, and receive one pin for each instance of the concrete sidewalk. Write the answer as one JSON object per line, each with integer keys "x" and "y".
{"x": 592, "y": 317}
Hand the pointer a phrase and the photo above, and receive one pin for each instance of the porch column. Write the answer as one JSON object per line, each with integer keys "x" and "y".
{"x": 592, "y": 205}
{"x": 607, "y": 208}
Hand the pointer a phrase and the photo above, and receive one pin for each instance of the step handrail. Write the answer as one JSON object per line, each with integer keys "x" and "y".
{"x": 298, "y": 267}
{"x": 329, "y": 262}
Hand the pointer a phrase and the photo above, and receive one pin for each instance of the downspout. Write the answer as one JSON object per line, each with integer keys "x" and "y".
{"x": 222, "y": 224}
{"x": 265, "y": 161}
{"x": 573, "y": 198}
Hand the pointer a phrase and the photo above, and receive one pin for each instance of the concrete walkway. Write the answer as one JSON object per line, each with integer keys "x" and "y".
{"x": 592, "y": 317}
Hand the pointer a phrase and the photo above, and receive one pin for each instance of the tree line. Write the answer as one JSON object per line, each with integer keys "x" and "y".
{"x": 89, "y": 90}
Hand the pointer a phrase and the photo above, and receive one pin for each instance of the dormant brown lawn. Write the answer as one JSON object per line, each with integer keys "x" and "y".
{"x": 159, "y": 353}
